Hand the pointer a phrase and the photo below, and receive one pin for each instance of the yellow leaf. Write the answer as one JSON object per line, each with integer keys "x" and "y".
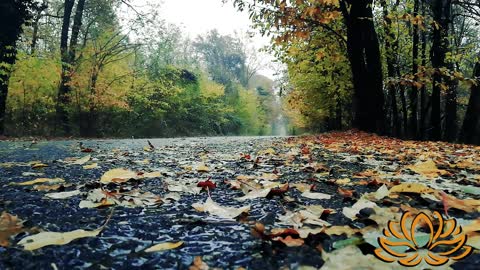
{"x": 118, "y": 176}
{"x": 427, "y": 168}
{"x": 411, "y": 188}
{"x": 91, "y": 166}
{"x": 39, "y": 165}
{"x": 39, "y": 181}
{"x": 202, "y": 168}
{"x": 82, "y": 161}
{"x": 164, "y": 246}
{"x": 43, "y": 239}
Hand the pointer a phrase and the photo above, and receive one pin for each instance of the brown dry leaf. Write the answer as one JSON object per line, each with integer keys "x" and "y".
{"x": 164, "y": 246}
{"x": 39, "y": 181}
{"x": 474, "y": 226}
{"x": 198, "y": 264}
{"x": 346, "y": 193}
{"x": 467, "y": 205}
{"x": 428, "y": 169}
{"x": 467, "y": 164}
{"x": 411, "y": 188}
{"x": 351, "y": 257}
{"x": 339, "y": 230}
{"x": 10, "y": 225}
{"x": 302, "y": 187}
{"x": 289, "y": 241}
{"x": 47, "y": 187}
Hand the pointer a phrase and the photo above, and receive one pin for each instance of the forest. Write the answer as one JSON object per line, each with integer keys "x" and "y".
{"x": 407, "y": 69}
{"x": 88, "y": 68}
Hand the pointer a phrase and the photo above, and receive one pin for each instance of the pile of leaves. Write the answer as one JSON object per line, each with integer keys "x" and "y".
{"x": 318, "y": 201}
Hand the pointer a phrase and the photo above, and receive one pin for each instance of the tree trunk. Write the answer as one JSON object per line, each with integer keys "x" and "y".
{"x": 441, "y": 15}
{"x": 64, "y": 89}
{"x": 471, "y": 125}
{"x": 423, "y": 90}
{"x": 391, "y": 49}
{"x": 92, "y": 117}
{"x": 68, "y": 59}
{"x": 413, "y": 133}
{"x": 364, "y": 55}
{"x": 13, "y": 14}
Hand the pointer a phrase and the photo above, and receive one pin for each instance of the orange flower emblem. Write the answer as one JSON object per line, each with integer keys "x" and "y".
{"x": 403, "y": 243}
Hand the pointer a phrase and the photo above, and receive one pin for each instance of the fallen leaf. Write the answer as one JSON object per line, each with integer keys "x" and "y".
{"x": 411, "y": 188}
{"x": 43, "y": 239}
{"x": 202, "y": 168}
{"x": 164, "y": 246}
{"x": 207, "y": 184}
{"x": 290, "y": 241}
{"x": 91, "y": 166}
{"x": 63, "y": 195}
{"x": 39, "y": 166}
{"x": 428, "y": 169}
{"x": 351, "y": 212}
{"x": 224, "y": 212}
{"x": 262, "y": 193}
{"x": 82, "y": 161}
{"x": 198, "y": 264}
{"x": 39, "y": 181}
{"x": 117, "y": 176}
{"x": 316, "y": 195}
{"x": 351, "y": 257}
{"x": 10, "y": 225}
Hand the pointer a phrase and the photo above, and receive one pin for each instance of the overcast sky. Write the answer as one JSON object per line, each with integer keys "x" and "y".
{"x": 197, "y": 17}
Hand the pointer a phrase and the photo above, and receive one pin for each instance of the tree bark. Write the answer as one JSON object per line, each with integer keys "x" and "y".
{"x": 15, "y": 13}
{"x": 391, "y": 49}
{"x": 423, "y": 90}
{"x": 470, "y": 132}
{"x": 64, "y": 89}
{"x": 364, "y": 55}
{"x": 68, "y": 60}
{"x": 441, "y": 15}
{"x": 413, "y": 119}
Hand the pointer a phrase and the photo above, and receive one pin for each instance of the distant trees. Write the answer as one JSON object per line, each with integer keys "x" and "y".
{"x": 84, "y": 68}
{"x": 13, "y": 15}
{"x": 410, "y": 60}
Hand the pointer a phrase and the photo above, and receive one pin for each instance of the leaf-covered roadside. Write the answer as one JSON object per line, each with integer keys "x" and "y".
{"x": 258, "y": 203}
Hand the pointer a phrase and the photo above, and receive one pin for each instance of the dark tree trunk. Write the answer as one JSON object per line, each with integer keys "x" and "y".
{"x": 441, "y": 15}
{"x": 470, "y": 132}
{"x": 64, "y": 89}
{"x": 423, "y": 90}
{"x": 364, "y": 55}
{"x": 391, "y": 49}
{"x": 14, "y": 13}
{"x": 403, "y": 100}
{"x": 68, "y": 59}
{"x": 413, "y": 120}
{"x": 338, "y": 115}
{"x": 92, "y": 116}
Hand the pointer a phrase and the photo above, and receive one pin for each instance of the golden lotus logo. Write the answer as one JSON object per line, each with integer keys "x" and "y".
{"x": 441, "y": 243}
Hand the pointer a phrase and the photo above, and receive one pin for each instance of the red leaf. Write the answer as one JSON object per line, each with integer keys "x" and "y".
{"x": 207, "y": 184}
